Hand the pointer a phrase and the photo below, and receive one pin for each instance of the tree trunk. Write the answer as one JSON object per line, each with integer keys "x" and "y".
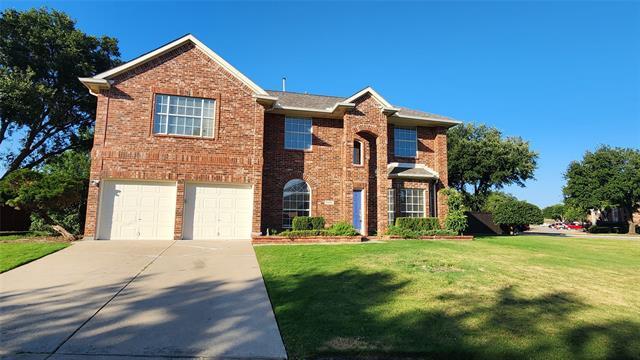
{"x": 632, "y": 225}
{"x": 62, "y": 231}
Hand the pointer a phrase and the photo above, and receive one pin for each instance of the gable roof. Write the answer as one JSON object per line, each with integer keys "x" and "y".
{"x": 280, "y": 101}
{"x": 374, "y": 94}
{"x": 323, "y": 103}
{"x": 101, "y": 80}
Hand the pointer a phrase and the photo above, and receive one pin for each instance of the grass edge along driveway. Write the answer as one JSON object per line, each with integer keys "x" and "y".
{"x": 16, "y": 254}
{"x": 495, "y": 297}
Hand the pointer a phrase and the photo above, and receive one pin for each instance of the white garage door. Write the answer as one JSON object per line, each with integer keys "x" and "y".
{"x": 137, "y": 210}
{"x": 217, "y": 211}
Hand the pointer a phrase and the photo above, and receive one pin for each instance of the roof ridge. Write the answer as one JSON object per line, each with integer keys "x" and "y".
{"x": 301, "y": 93}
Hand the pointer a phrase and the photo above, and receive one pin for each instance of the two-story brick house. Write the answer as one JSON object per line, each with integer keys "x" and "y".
{"x": 187, "y": 147}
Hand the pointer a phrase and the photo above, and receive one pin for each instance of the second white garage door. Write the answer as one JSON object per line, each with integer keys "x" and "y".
{"x": 217, "y": 211}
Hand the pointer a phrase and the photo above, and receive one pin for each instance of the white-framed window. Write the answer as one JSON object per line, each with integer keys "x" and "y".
{"x": 405, "y": 141}
{"x": 297, "y": 133}
{"x": 391, "y": 210}
{"x": 412, "y": 203}
{"x": 358, "y": 153}
{"x": 296, "y": 201}
{"x": 181, "y": 115}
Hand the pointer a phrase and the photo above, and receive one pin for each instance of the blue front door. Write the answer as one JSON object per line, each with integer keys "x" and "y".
{"x": 357, "y": 210}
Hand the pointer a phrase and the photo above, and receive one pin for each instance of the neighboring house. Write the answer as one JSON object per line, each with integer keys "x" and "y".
{"x": 612, "y": 215}
{"x": 187, "y": 147}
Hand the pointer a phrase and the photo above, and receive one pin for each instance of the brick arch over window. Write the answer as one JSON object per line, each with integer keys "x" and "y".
{"x": 365, "y": 129}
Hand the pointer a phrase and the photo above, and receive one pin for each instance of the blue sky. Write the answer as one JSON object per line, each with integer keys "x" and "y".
{"x": 563, "y": 75}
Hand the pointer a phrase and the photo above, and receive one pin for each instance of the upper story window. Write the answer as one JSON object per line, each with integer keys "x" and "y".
{"x": 181, "y": 115}
{"x": 357, "y": 152}
{"x": 297, "y": 133}
{"x": 405, "y": 142}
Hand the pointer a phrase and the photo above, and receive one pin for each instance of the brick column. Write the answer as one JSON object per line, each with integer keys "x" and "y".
{"x": 441, "y": 168}
{"x": 93, "y": 196}
{"x": 179, "y": 220}
{"x": 383, "y": 181}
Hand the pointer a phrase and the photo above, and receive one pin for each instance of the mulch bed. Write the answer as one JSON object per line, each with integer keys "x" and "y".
{"x": 285, "y": 240}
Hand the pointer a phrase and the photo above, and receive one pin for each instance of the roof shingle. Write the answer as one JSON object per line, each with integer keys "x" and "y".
{"x": 324, "y": 102}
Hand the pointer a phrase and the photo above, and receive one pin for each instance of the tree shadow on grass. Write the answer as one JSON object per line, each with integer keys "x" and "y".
{"x": 355, "y": 314}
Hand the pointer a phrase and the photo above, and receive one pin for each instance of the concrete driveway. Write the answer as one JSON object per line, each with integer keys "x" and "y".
{"x": 104, "y": 299}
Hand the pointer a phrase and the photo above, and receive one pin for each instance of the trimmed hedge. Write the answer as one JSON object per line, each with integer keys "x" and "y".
{"x": 342, "y": 228}
{"x": 307, "y": 223}
{"x": 411, "y": 234}
{"x": 621, "y": 228}
{"x": 317, "y": 222}
{"x": 418, "y": 224}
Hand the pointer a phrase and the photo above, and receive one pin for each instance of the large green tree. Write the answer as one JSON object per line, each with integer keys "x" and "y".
{"x": 481, "y": 160}
{"x": 494, "y": 199}
{"x": 606, "y": 178}
{"x": 555, "y": 212}
{"x": 44, "y": 109}
{"x": 515, "y": 214}
{"x": 55, "y": 193}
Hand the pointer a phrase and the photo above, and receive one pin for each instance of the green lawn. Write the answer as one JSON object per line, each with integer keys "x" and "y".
{"x": 495, "y": 297}
{"x": 15, "y": 254}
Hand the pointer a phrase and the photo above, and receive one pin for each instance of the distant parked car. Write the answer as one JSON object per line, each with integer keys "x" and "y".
{"x": 558, "y": 226}
{"x": 575, "y": 226}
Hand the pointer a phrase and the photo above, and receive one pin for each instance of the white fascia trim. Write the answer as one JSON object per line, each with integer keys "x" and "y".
{"x": 410, "y": 117}
{"x": 170, "y": 46}
{"x": 323, "y": 111}
{"x": 95, "y": 85}
{"x": 385, "y": 104}
{"x": 295, "y": 108}
{"x": 266, "y": 97}
{"x": 412, "y": 166}
{"x": 99, "y": 82}
{"x": 404, "y": 176}
{"x": 342, "y": 104}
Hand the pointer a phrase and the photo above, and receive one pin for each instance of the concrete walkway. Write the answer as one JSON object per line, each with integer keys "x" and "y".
{"x": 123, "y": 299}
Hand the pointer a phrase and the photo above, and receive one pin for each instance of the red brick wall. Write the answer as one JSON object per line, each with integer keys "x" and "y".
{"x": 125, "y": 148}
{"x": 320, "y": 167}
{"x": 329, "y": 170}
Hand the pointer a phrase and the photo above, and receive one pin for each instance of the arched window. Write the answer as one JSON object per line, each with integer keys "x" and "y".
{"x": 357, "y": 152}
{"x": 295, "y": 201}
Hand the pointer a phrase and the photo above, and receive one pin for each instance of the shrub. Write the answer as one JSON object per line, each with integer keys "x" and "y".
{"x": 516, "y": 214}
{"x": 456, "y": 220}
{"x": 301, "y": 223}
{"x": 410, "y": 234}
{"x": 342, "y": 228}
{"x": 307, "y": 223}
{"x": 405, "y": 233}
{"x": 317, "y": 222}
{"x": 615, "y": 228}
{"x": 418, "y": 224}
